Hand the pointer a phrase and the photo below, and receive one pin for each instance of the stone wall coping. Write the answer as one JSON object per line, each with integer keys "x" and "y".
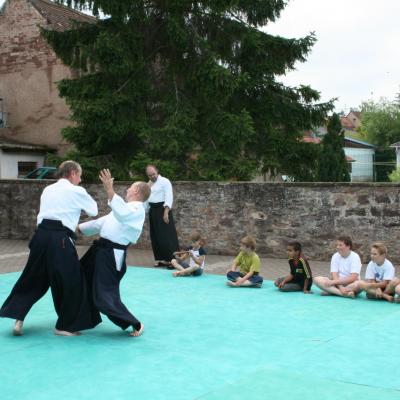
{"x": 223, "y": 183}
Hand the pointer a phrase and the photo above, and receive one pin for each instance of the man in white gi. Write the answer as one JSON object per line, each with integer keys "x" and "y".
{"x": 53, "y": 260}
{"x": 164, "y": 239}
{"x": 104, "y": 263}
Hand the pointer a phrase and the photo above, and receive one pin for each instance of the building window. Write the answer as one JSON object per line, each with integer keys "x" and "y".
{"x": 24, "y": 167}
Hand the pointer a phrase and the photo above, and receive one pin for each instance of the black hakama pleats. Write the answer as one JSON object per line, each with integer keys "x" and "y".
{"x": 103, "y": 281}
{"x": 164, "y": 239}
{"x": 53, "y": 262}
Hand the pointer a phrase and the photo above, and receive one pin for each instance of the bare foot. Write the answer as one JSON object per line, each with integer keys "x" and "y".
{"x": 388, "y": 297}
{"x": 175, "y": 274}
{"x": 351, "y": 294}
{"x": 17, "y": 331}
{"x": 230, "y": 283}
{"x": 65, "y": 333}
{"x": 137, "y": 333}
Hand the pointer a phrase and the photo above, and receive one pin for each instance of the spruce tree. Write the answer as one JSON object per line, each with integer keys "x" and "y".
{"x": 189, "y": 85}
{"x": 333, "y": 166}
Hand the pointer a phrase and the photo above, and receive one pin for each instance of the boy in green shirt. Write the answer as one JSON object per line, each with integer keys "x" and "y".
{"x": 249, "y": 264}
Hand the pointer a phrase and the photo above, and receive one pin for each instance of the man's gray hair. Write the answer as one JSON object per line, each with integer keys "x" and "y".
{"x": 66, "y": 167}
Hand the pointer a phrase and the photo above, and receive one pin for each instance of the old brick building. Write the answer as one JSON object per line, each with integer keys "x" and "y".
{"x": 31, "y": 110}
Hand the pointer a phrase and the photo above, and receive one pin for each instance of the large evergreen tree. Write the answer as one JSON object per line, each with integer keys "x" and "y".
{"x": 333, "y": 166}
{"x": 190, "y": 85}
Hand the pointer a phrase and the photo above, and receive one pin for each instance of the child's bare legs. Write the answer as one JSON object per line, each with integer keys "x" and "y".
{"x": 374, "y": 293}
{"x": 392, "y": 288}
{"x": 371, "y": 293}
{"x": 324, "y": 284}
{"x": 177, "y": 266}
{"x": 355, "y": 288}
{"x": 185, "y": 271}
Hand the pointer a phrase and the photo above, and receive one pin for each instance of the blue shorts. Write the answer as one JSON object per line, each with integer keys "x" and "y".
{"x": 197, "y": 272}
{"x": 235, "y": 275}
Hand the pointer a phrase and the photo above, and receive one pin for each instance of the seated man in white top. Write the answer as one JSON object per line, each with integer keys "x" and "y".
{"x": 345, "y": 269}
{"x": 380, "y": 272}
{"x": 53, "y": 260}
{"x": 104, "y": 263}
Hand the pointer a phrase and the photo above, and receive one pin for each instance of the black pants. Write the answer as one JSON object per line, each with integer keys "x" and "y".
{"x": 53, "y": 262}
{"x": 164, "y": 239}
{"x": 103, "y": 281}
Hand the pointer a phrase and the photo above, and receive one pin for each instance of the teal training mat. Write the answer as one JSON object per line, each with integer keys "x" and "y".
{"x": 204, "y": 340}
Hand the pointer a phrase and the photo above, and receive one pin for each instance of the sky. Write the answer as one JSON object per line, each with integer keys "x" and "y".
{"x": 357, "y": 54}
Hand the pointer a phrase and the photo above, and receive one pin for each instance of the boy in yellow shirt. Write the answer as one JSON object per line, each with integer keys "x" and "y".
{"x": 249, "y": 264}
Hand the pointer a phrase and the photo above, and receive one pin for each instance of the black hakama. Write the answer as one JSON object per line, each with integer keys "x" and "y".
{"x": 103, "y": 281}
{"x": 164, "y": 239}
{"x": 53, "y": 262}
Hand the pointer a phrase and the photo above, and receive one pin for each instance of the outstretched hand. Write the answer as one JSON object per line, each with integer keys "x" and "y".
{"x": 108, "y": 182}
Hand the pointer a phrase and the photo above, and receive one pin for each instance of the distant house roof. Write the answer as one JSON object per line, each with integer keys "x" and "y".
{"x": 395, "y": 145}
{"x": 307, "y": 139}
{"x": 12, "y": 145}
{"x": 357, "y": 114}
{"x": 346, "y": 123}
{"x": 58, "y": 16}
{"x": 350, "y": 142}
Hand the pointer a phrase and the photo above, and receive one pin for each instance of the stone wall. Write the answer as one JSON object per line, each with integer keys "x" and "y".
{"x": 274, "y": 213}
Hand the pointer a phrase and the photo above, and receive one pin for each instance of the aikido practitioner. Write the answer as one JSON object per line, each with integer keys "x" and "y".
{"x": 164, "y": 239}
{"x": 105, "y": 261}
{"x": 53, "y": 260}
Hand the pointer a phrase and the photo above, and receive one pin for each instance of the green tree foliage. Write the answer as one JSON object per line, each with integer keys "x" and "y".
{"x": 333, "y": 166}
{"x": 381, "y": 122}
{"x": 189, "y": 85}
{"x": 385, "y": 163}
{"x": 394, "y": 176}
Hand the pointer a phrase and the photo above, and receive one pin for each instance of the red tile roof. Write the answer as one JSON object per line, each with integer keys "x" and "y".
{"x": 307, "y": 139}
{"x": 58, "y": 16}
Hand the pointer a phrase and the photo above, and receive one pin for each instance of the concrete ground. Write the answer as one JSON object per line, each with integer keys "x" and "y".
{"x": 14, "y": 253}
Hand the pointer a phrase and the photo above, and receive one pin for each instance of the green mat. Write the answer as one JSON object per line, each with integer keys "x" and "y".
{"x": 204, "y": 340}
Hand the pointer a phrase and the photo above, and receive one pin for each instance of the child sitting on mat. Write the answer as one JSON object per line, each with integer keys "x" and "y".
{"x": 192, "y": 260}
{"x": 378, "y": 277}
{"x": 300, "y": 277}
{"x": 249, "y": 264}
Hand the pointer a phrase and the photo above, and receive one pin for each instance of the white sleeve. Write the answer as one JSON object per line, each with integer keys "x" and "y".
{"x": 123, "y": 212}
{"x": 356, "y": 265}
{"x": 169, "y": 195}
{"x": 335, "y": 263}
{"x": 388, "y": 274}
{"x": 86, "y": 202}
{"x": 369, "y": 273}
{"x": 91, "y": 228}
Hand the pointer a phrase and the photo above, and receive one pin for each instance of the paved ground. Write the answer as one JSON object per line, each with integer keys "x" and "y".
{"x": 14, "y": 253}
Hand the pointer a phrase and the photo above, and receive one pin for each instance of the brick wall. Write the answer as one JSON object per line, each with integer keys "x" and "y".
{"x": 274, "y": 213}
{"x": 29, "y": 70}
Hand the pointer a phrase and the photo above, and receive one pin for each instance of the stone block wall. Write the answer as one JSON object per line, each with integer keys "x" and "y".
{"x": 274, "y": 213}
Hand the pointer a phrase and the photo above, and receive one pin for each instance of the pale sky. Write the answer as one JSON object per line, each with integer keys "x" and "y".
{"x": 357, "y": 55}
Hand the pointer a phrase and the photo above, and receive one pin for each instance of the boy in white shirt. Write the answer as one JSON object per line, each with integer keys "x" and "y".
{"x": 192, "y": 260}
{"x": 345, "y": 269}
{"x": 380, "y": 272}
